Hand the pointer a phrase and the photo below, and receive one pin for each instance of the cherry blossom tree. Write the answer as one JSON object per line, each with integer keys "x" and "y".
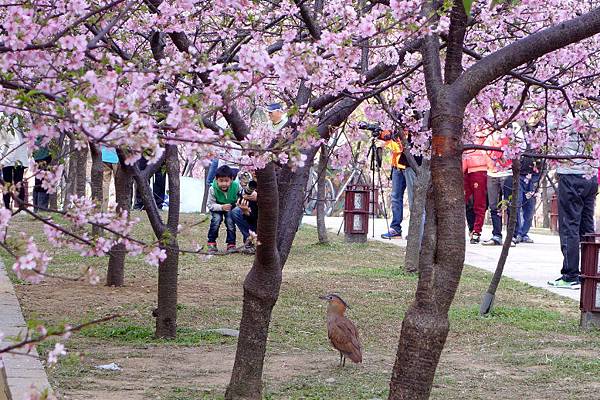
{"x": 530, "y": 36}
{"x": 150, "y": 78}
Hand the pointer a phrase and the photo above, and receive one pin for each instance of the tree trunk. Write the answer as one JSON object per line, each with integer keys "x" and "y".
{"x": 56, "y": 147}
{"x": 425, "y": 326}
{"x": 488, "y": 297}
{"x": 279, "y": 225}
{"x": 96, "y": 182}
{"x": 417, "y": 211}
{"x": 71, "y": 187}
{"x": 115, "y": 275}
{"x": 291, "y": 185}
{"x": 261, "y": 290}
{"x": 205, "y": 194}
{"x": 166, "y": 313}
{"x": 81, "y": 172}
{"x": 321, "y": 201}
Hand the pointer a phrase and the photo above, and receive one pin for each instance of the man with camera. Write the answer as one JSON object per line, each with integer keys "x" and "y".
{"x": 402, "y": 176}
{"x": 245, "y": 215}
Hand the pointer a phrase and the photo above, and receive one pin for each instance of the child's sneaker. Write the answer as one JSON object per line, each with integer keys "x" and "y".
{"x": 231, "y": 248}
{"x": 211, "y": 248}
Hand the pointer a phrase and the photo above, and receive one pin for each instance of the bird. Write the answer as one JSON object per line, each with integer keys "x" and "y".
{"x": 342, "y": 332}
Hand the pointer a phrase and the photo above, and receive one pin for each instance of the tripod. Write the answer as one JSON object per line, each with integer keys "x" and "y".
{"x": 375, "y": 165}
{"x": 376, "y": 160}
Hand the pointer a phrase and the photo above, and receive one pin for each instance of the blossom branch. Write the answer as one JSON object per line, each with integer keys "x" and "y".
{"x": 66, "y": 330}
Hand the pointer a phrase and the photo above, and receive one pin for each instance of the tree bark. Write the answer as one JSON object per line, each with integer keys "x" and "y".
{"x": 425, "y": 326}
{"x": 488, "y": 298}
{"x": 166, "y": 313}
{"x": 81, "y": 172}
{"x": 71, "y": 181}
{"x": 56, "y": 150}
{"x": 96, "y": 182}
{"x": 291, "y": 185}
{"x": 261, "y": 290}
{"x": 205, "y": 194}
{"x": 417, "y": 212}
{"x": 321, "y": 201}
{"x": 115, "y": 275}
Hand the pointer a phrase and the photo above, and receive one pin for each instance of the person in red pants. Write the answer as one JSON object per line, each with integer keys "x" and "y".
{"x": 475, "y": 173}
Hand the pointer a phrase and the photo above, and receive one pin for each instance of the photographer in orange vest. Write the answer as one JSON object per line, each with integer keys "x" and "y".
{"x": 403, "y": 178}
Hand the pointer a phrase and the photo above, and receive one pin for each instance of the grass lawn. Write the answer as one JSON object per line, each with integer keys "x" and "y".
{"x": 530, "y": 348}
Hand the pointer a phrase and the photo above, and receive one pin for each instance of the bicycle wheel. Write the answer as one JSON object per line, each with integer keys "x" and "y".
{"x": 310, "y": 194}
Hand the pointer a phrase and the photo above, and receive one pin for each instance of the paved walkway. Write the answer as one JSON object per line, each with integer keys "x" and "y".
{"x": 22, "y": 371}
{"x": 534, "y": 264}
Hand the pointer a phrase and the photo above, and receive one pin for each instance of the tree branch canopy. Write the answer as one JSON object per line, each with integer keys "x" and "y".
{"x": 529, "y": 48}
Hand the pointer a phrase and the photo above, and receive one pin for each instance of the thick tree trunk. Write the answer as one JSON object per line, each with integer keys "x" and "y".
{"x": 115, "y": 275}
{"x": 417, "y": 211}
{"x": 291, "y": 186}
{"x": 166, "y": 313}
{"x": 96, "y": 181}
{"x": 261, "y": 290}
{"x": 425, "y": 326}
{"x": 321, "y": 201}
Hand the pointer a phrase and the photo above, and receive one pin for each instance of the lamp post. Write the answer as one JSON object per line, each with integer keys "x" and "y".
{"x": 356, "y": 213}
{"x": 590, "y": 289}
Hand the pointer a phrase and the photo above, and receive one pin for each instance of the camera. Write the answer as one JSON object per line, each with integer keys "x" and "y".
{"x": 374, "y": 128}
{"x": 250, "y": 188}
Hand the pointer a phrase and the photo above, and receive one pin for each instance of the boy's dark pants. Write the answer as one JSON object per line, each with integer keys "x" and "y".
{"x": 216, "y": 217}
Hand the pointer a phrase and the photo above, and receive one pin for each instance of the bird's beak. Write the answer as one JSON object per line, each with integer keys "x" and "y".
{"x": 322, "y": 297}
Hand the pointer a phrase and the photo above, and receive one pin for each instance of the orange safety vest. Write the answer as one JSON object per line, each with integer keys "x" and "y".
{"x": 396, "y": 147}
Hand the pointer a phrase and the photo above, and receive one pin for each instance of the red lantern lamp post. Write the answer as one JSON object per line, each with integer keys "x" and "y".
{"x": 590, "y": 289}
{"x": 356, "y": 213}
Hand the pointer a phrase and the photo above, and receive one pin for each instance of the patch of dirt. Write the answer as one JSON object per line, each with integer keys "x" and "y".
{"x": 147, "y": 370}
{"x": 56, "y": 299}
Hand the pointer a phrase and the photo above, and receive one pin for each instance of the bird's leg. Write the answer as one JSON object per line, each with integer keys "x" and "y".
{"x": 341, "y": 356}
{"x": 344, "y": 362}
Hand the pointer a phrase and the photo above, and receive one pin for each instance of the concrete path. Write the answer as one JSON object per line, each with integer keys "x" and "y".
{"x": 535, "y": 264}
{"x": 21, "y": 371}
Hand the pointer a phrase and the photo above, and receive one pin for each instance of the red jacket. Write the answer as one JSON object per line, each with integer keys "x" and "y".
{"x": 475, "y": 160}
{"x": 496, "y": 160}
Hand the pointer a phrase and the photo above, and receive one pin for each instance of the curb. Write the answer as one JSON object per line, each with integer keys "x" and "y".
{"x": 20, "y": 371}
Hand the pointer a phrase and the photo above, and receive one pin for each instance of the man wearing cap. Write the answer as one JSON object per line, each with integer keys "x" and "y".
{"x": 277, "y": 116}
